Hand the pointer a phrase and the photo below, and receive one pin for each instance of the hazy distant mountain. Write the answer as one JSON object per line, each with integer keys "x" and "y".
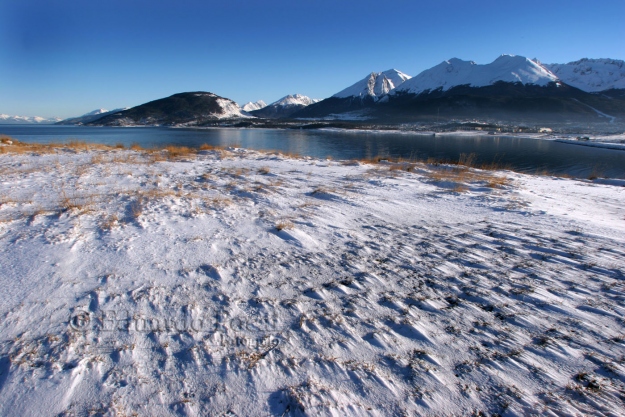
{"x": 349, "y": 102}
{"x": 251, "y": 106}
{"x": 5, "y": 119}
{"x": 89, "y": 117}
{"x": 284, "y": 107}
{"x": 592, "y": 75}
{"x": 191, "y": 108}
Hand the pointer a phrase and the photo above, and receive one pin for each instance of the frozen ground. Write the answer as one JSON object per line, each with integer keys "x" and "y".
{"x": 241, "y": 283}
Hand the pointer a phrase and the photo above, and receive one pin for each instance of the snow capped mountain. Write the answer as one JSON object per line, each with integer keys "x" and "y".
{"x": 294, "y": 100}
{"x": 251, "y": 106}
{"x": 456, "y": 72}
{"x": 285, "y": 107}
{"x": 6, "y": 119}
{"x": 591, "y": 75}
{"x": 375, "y": 85}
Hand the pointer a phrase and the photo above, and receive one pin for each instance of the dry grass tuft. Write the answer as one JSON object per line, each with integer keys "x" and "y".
{"x": 497, "y": 182}
{"x": 460, "y": 188}
{"x": 264, "y": 170}
{"x": 180, "y": 152}
{"x": 216, "y": 202}
{"x": 136, "y": 207}
{"x": 99, "y": 158}
{"x": 323, "y": 190}
{"x": 207, "y": 147}
{"x": 110, "y": 222}
{"x": 284, "y": 225}
{"x": 288, "y": 154}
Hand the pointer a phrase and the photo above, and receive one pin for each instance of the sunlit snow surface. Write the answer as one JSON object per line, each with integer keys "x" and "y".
{"x": 242, "y": 283}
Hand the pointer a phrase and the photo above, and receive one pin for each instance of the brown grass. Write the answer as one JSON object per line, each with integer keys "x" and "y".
{"x": 497, "y": 182}
{"x": 284, "y": 225}
{"x": 264, "y": 170}
{"x": 156, "y": 193}
{"x": 216, "y": 202}
{"x": 180, "y": 152}
{"x": 14, "y": 146}
{"x": 136, "y": 207}
{"x": 207, "y": 147}
{"x": 99, "y": 158}
{"x": 460, "y": 188}
{"x": 109, "y": 222}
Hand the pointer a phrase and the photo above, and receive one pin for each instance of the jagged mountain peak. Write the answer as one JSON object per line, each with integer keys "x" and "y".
{"x": 375, "y": 85}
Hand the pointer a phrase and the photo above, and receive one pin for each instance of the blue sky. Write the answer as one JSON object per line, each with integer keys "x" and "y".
{"x": 66, "y": 57}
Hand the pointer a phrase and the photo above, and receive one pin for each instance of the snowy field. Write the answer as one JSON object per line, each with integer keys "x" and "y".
{"x": 240, "y": 283}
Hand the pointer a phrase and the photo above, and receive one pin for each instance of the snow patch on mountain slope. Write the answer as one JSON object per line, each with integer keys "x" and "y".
{"x": 251, "y": 106}
{"x": 375, "y": 85}
{"x": 230, "y": 109}
{"x": 96, "y": 112}
{"x": 591, "y": 75}
{"x": 455, "y": 72}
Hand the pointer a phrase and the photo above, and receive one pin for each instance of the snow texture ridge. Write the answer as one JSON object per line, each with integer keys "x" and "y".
{"x": 456, "y": 72}
{"x": 375, "y": 85}
{"x": 591, "y": 75}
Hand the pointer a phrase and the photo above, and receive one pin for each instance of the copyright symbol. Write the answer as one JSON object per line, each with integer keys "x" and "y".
{"x": 79, "y": 321}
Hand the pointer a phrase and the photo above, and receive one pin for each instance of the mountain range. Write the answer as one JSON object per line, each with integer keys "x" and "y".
{"x": 13, "y": 120}
{"x": 284, "y": 107}
{"x": 511, "y": 88}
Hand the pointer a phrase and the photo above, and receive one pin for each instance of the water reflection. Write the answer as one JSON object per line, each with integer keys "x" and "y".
{"x": 527, "y": 155}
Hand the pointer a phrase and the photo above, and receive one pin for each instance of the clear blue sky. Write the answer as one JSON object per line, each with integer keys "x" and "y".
{"x": 66, "y": 57}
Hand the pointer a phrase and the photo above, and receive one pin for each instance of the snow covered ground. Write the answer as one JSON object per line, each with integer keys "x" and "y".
{"x": 234, "y": 282}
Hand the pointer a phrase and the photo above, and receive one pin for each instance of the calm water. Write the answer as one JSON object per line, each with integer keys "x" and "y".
{"x": 527, "y": 155}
